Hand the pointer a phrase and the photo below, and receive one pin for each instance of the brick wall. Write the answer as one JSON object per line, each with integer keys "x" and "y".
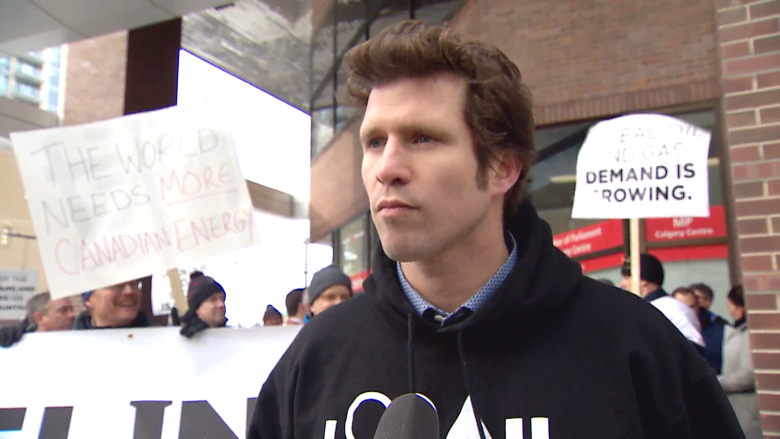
{"x": 749, "y": 38}
{"x": 95, "y": 79}
{"x": 592, "y": 59}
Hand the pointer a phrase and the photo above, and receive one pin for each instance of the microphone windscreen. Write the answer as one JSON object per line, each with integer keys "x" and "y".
{"x": 408, "y": 417}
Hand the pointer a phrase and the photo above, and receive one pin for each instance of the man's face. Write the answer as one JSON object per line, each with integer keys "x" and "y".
{"x": 117, "y": 305}
{"x": 212, "y": 311}
{"x": 704, "y": 301}
{"x": 329, "y": 298}
{"x": 59, "y": 316}
{"x": 420, "y": 169}
{"x": 645, "y": 287}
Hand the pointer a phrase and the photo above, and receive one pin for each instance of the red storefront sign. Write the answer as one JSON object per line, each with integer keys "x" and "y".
{"x": 602, "y": 262}
{"x": 357, "y": 281}
{"x": 683, "y": 228}
{"x": 586, "y": 240}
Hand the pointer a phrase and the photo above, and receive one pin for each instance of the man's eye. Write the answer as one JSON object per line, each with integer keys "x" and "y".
{"x": 424, "y": 139}
{"x": 374, "y": 143}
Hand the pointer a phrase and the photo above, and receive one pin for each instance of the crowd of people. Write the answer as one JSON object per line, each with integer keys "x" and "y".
{"x": 726, "y": 347}
{"x": 119, "y": 306}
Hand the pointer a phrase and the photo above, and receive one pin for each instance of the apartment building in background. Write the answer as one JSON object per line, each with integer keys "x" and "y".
{"x": 35, "y": 78}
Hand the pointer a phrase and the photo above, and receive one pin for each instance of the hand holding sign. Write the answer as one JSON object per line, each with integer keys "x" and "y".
{"x": 123, "y": 198}
{"x": 640, "y": 166}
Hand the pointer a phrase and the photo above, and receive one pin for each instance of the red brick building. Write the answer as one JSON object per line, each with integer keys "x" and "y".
{"x": 714, "y": 63}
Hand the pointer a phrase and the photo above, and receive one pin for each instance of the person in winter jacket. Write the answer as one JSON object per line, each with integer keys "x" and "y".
{"x": 469, "y": 302}
{"x": 115, "y": 306}
{"x": 712, "y": 326}
{"x": 205, "y": 305}
{"x": 651, "y": 272}
{"x": 738, "y": 378}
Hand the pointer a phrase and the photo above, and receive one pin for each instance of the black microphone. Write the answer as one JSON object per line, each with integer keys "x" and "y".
{"x": 408, "y": 417}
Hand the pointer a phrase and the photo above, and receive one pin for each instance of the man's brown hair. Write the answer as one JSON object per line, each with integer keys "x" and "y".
{"x": 498, "y": 110}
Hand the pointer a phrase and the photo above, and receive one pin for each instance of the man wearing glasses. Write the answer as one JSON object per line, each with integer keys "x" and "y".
{"x": 116, "y": 306}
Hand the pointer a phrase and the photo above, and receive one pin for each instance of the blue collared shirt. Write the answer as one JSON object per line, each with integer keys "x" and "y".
{"x": 472, "y": 305}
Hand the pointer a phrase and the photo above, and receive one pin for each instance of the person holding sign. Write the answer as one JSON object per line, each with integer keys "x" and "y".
{"x": 116, "y": 306}
{"x": 469, "y": 302}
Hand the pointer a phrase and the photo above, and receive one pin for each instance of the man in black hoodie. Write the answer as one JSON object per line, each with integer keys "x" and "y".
{"x": 469, "y": 303}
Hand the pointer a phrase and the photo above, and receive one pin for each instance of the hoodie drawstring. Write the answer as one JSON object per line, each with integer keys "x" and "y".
{"x": 464, "y": 365}
{"x": 467, "y": 380}
{"x": 410, "y": 351}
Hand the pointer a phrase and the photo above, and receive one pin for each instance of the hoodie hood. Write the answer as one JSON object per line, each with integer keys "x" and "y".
{"x": 543, "y": 281}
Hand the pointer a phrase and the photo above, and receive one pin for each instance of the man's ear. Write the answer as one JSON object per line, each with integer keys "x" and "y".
{"x": 37, "y": 317}
{"x": 506, "y": 172}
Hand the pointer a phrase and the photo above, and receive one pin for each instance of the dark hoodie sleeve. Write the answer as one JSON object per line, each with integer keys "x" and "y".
{"x": 272, "y": 418}
{"x": 709, "y": 411}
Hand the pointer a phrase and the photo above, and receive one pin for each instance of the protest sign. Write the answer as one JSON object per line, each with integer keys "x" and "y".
{"x": 16, "y": 288}
{"x": 149, "y": 383}
{"x": 121, "y": 199}
{"x": 643, "y": 166}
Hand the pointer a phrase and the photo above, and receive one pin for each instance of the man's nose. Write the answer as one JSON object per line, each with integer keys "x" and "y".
{"x": 393, "y": 166}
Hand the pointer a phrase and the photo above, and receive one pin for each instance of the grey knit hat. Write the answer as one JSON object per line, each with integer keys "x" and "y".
{"x": 326, "y": 278}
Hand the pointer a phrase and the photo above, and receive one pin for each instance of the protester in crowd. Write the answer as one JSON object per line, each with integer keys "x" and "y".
{"x": 206, "y": 305}
{"x": 687, "y": 297}
{"x": 116, "y": 306}
{"x": 296, "y": 310}
{"x": 329, "y": 287}
{"x": 48, "y": 314}
{"x": 651, "y": 273}
{"x": 738, "y": 378}
{"x": 469, "y": 302}
{"x": 272, "y": 317}
{"x": 712, "y": 326}
{"x": 43, "y": 315}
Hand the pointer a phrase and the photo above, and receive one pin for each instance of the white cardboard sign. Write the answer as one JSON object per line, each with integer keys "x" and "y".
{"x": 120, "y": 199}
{"x": 16, "y": 288}
{"x": 141, "y": 383}
{"x": 643, "y": 166}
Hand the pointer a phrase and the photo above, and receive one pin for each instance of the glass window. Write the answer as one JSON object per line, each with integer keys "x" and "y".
{"x": 322, "y": 120}
{"x": 344, "y": 112}
{"x": 351, "y": 15}
{"x": 28, "y": 91}
{"x": 391, "y": 13}
{"x": 354, "y": 243}
{"x": 3, "y": 84}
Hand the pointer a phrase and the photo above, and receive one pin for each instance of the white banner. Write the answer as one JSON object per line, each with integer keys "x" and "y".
{"x": 120, "y": 199}
{"x": 147, "y": 383}
{"x": 643, "y": 166}
{"x": 16, "y": 288}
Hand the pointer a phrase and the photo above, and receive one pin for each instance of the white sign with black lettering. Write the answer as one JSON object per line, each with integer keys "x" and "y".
{"x": 643, "y": 166}
{"x": 16, "y": 288}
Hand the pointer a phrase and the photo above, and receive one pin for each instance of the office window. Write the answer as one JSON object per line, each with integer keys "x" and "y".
{"x": 322, "y": 119}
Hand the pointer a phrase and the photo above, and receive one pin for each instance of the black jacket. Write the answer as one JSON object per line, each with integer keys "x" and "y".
{"x": 84, "y": 321}
{"x": 582, "y": 358}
